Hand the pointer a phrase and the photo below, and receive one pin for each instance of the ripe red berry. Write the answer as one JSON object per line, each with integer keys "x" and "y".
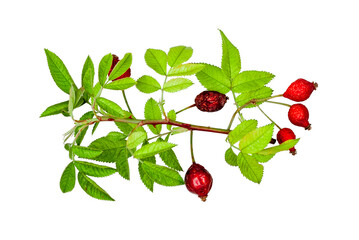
{"x": 210, "y": 101}
{"x": 298, "y": 114}
{"x": 115, "y": 60}
{"x": 300, "y": 90}
{"x": 285, "y": 134}
{"x": 198, "y": 181}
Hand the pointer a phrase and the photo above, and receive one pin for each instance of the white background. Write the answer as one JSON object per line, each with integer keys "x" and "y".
{"x": 310, "y": 196}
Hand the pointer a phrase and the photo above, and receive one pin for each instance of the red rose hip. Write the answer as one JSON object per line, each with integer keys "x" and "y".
{"x": 210, "y": 101}
{"x": 298, "y": 114}
{"x": 198, "y": 181}
{"x": 300, "y": 90}
{"x": 285, "y": 134}
{"x": 115, "y": 60}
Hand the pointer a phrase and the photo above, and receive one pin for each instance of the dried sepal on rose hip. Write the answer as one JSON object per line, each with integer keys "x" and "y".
{"x": 286, "y": 134}
{"x": 298, "y": 115}
{"x": 198, "y": 181}
{"x": 210, "y": 101}
{"x": 300, "y": 90}
{"x": 115, "y": 60}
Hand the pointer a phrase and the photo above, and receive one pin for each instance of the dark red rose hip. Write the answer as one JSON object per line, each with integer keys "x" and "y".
{"x": 210, "y": 101}
{"x": 115, "y": 60}
{"x": 285, "y": 134}
{"x": 198, "y": 181}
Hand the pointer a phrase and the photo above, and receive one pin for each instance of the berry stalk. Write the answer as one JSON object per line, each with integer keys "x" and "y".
{"x": 191, "y": 144}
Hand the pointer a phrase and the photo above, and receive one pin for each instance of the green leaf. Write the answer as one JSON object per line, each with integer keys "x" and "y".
{"x": 92, "y": 189}
{"x": 116, "y": 136}
{"x": 281, "y": 147}
{"x": 230, "y": 157}
{"x": 59, "y": 72}
{"x": 104, "y": 68}
{"x": 122, "y": 165}
{"x": 121, "y": 67}
{"x": 68, "y": 178}
{"x": 178, "y": 55}
{"x": 97, "y": 89}
{"x": 145, "y": 178}
{"x": 111, "y": 107}
{"x": 110, "y": 149}
{"x": 177, "y": 84}
{"x": 250, "y": 168}
{"x": 95, "y": 127}
{"x": 241, "y": 130}
{"x": 257, "y": 139}
{"x": 87, "y": 65}
{"x": 94, "y": 170}
{"x": 263, "y": 158}
{"x": 186, "y": 69}
{"x": 157, "y": 60}
{"x": 121, "y": 84}
{"x": 135, "y": 139}
{"x": 213, "y": 79}
{"x": 162, "y": 175}
{"x": 153, "y": 149}
{"x": 231, "y": 61}
{"x": 153, "y": 112}
{"x": 84, "y": 152}
{"x": 72, "y": 100}
{"x": 169, "y": 158}
{"x": 263, "y": 92}
{"x": 250, "y": 80}
{"x": 87, "y": 76}
{"x": 55, "y": 109}
{"x": 172, "y": 116}
{"x": 147, "y": 84}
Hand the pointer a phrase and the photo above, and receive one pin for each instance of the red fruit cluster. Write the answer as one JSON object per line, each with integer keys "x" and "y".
{"x": 198, "y": 181}
{"x": 300, "y": 90}
{"x": 210, "y": 101}
{"x": 285, "y": 134}
{"x": 115, "y": 60}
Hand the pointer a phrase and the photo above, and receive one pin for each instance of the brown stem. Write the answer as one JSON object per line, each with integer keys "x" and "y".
{"x": 168, "y": 122}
